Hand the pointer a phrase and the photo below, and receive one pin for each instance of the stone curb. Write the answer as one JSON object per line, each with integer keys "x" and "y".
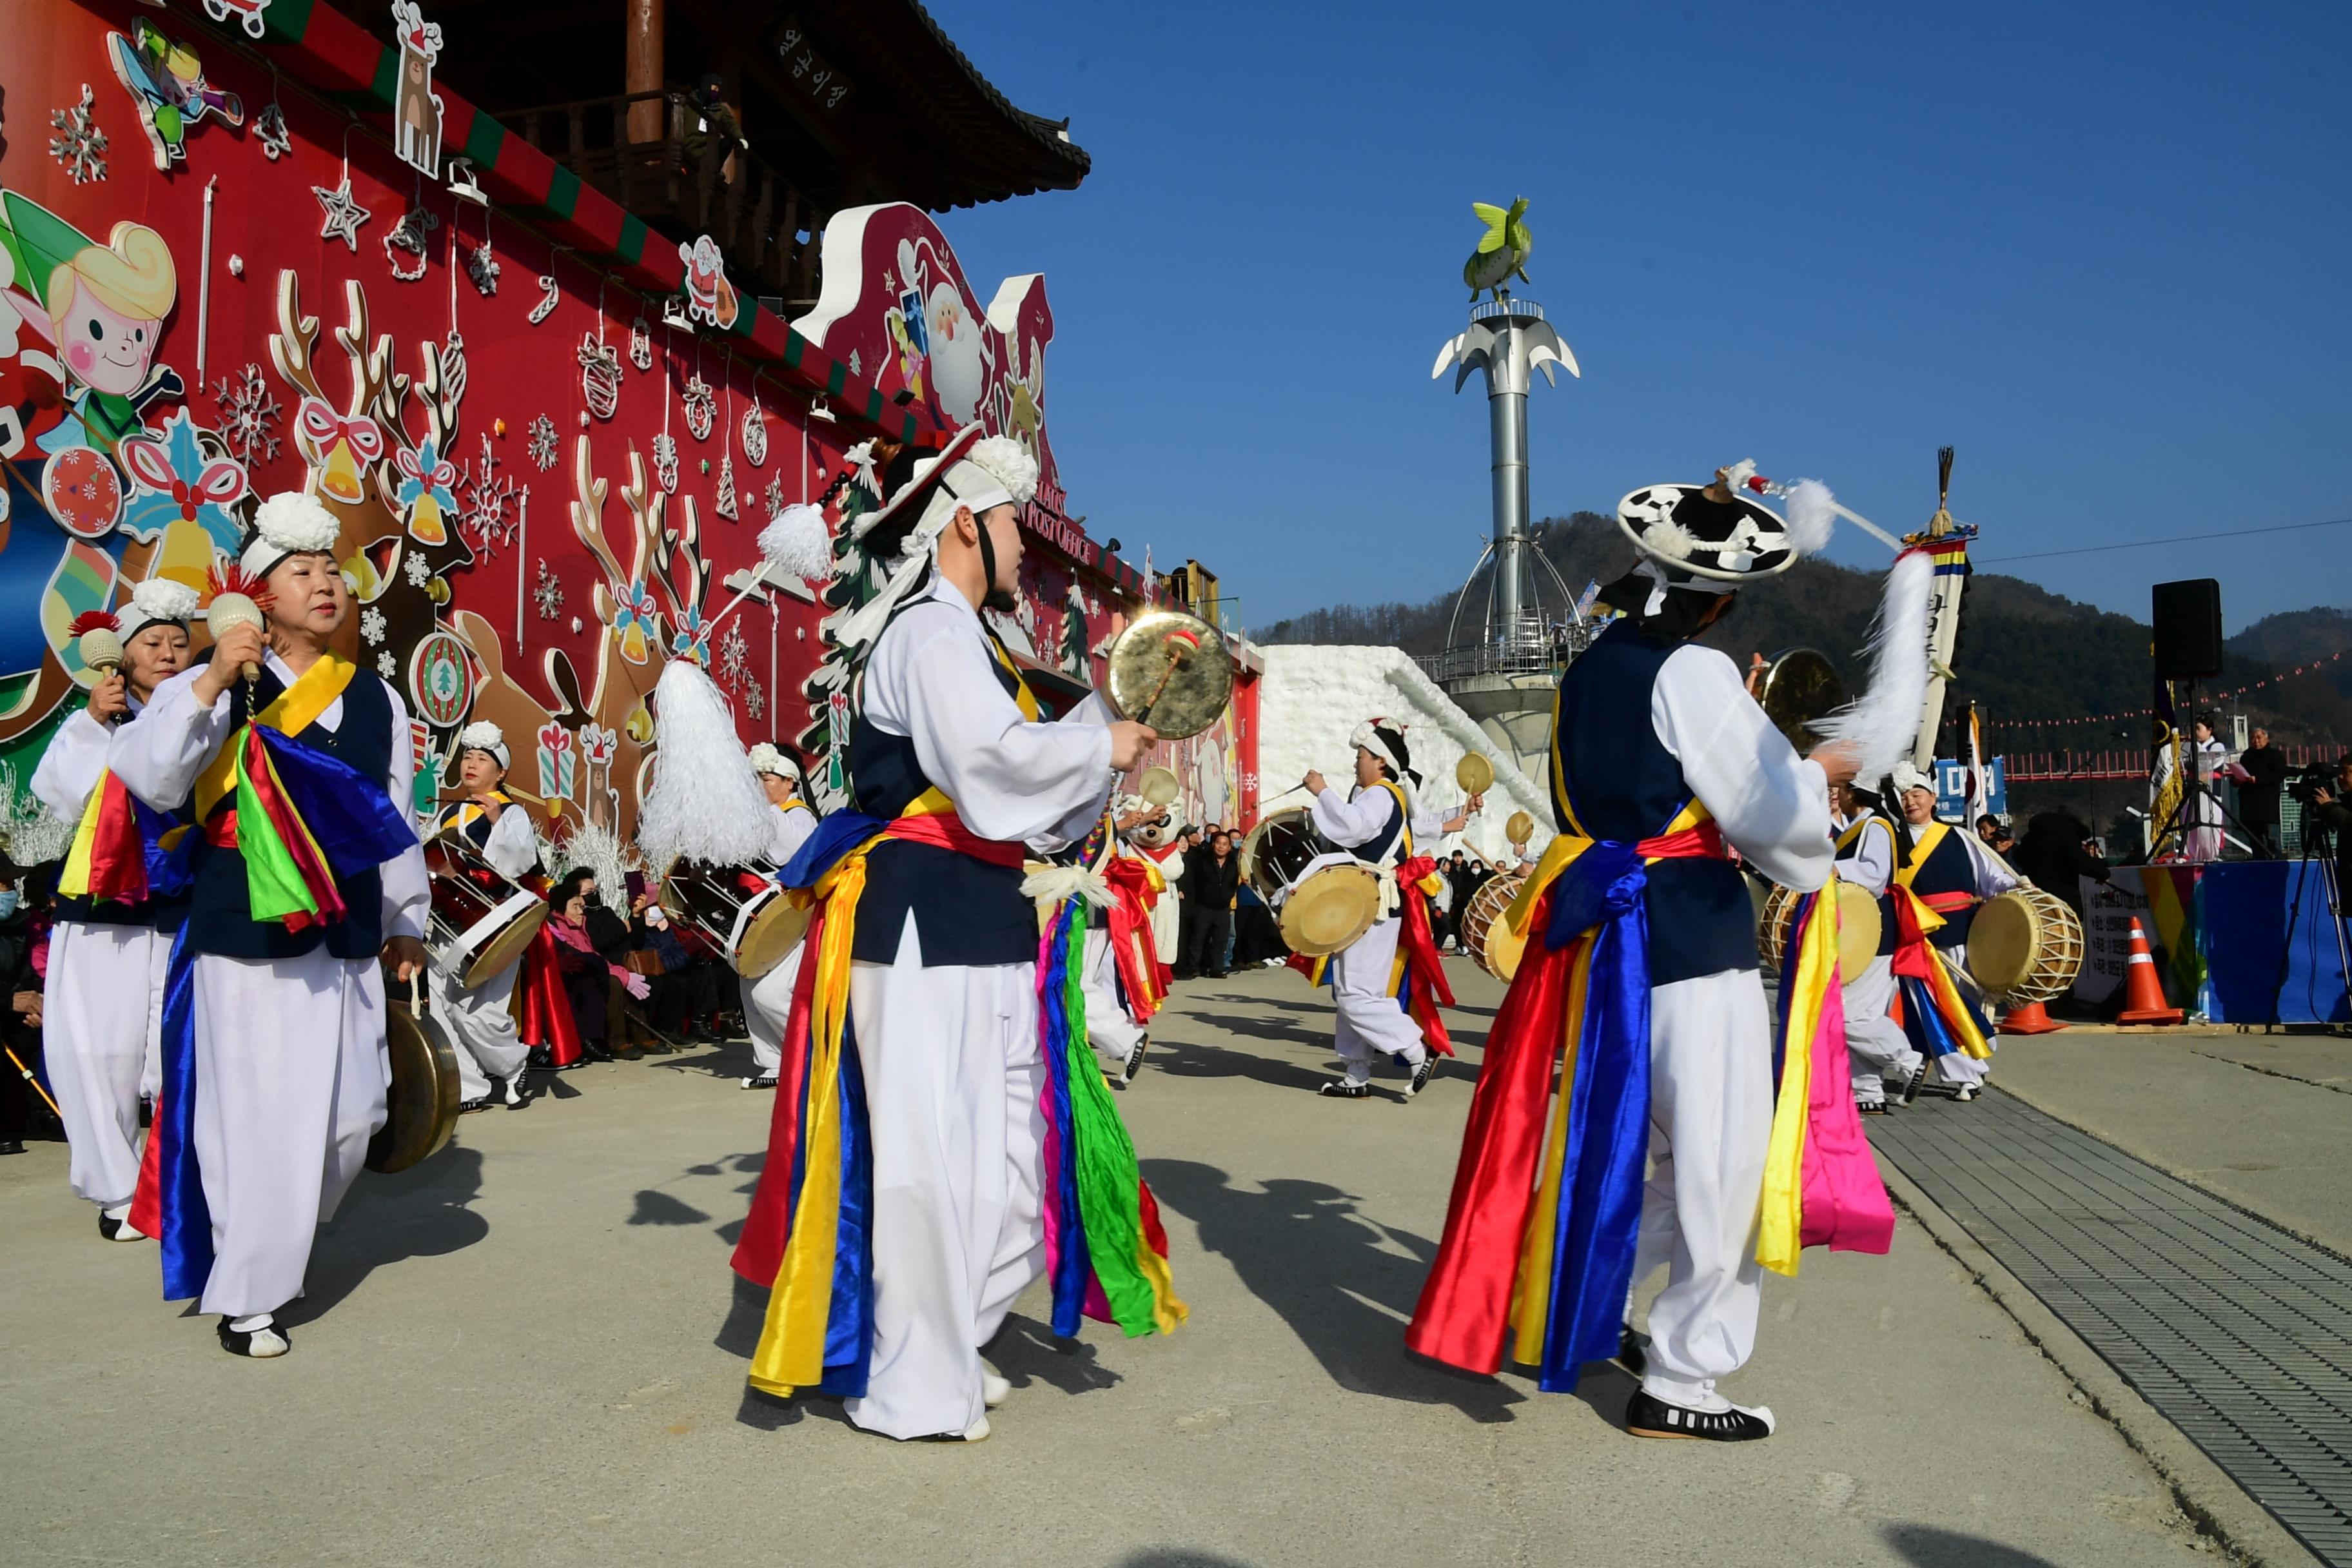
{"x": 2216, "y": 1505}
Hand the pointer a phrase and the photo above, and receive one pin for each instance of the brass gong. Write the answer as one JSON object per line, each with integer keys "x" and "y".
{"x": 420, "y": 1104}
{"x": 1801, "y": 687}
{"x": 1170, "y": 670}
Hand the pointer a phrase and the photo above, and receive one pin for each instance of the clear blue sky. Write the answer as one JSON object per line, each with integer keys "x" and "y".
{"x": 2103, "y": 249}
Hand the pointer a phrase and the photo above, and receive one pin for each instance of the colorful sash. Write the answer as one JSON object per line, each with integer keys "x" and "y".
{"x": 809, "y": 1237}
{"x": 301, "y": 818}
{"x": 123, "y": 850}
{"x": 1936, "y": 1016}
{"x": 1538, "y": 1254}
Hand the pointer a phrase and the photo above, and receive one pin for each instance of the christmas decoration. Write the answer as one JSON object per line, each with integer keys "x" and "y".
{"x": 543, "y": 443}
{"x": 547, "y": 592}
{"x": 167, "y": 87}
{"x": 548, "y": 295}
{"x": 666, "y": 462}
{"x": 250, "y": 416}
{"x": 345, "y": 216}
{"x": 371, "y": 625}
{"x": 724, "y": 502}
{"x": 482, "y": 269}
{"x": 755, "y": 435}
{"x": 409, "y": 237}
{"x": 487, "y": 499}
{"x": 419, "y": 569}
{"x": 416, "y": 107}
{"x": 600, "y": 376}
{"x": 270, "y": 131}
{"x": 78, "y": 145}
{"x": 701, "y": 407}
{"x": 641, "y": 344}
{"x": 708, "y": 296}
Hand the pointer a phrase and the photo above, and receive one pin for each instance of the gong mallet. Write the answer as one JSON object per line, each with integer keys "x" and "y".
{"x": 1180, "y": 645}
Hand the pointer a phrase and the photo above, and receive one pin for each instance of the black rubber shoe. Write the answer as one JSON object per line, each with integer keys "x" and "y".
{"x": 263, "y": 1343}
{"x": 1633, "y": 1350}
{"x": 1915, "y": 1083}
{"x": 1420, "y": 1076}
{"x": 1134, "y": 1063}
{"x": 1340, "y": 1088}
{"x": 762, "y": 1081}
{"x": 1648, "y": 1416}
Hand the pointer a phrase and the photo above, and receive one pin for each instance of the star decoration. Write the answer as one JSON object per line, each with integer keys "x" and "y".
{"x": 345, "y": 216}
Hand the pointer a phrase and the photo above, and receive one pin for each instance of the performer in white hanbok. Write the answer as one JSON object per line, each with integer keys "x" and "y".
{"x": 480, "y": 1018}
{"x": 953, "y": 784}
{"x": 103, "y": 1006}
{"x": 1385, "y": 1006}
{"x": 274, "y": 1086}
{"x": 1884, "y": 1065}
{"x": 1949, "y": 871}
{"x": 769, "y": 999}
{"x": 1661, "y": 761}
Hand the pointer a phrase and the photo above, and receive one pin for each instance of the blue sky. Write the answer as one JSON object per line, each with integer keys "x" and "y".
{"x": 2103, "y": 249}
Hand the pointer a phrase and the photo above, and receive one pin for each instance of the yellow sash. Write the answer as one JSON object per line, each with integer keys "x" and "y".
{"x": 1921, "y": 847}
{"x": 293, "y": 710}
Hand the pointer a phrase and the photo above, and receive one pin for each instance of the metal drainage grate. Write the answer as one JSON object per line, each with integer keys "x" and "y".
{"x": 2238, "y": 1334}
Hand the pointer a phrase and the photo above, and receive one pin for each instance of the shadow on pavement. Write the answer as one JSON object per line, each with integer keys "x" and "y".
{"x": 1924, "y": 1546}
{"x": 746, "y": 1313}
{"x": 1303, "y": 1249}
{"x": 1026, "y": 1352}
{"x": 420, "y": 1213}
{"x": 1177, "y": 1557}
{"x": 1193, "y": 1058}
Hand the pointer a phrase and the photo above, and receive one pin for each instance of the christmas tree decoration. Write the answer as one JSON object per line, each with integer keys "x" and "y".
{"x": 724, "y": 502}
{"x": 270, "y": 131}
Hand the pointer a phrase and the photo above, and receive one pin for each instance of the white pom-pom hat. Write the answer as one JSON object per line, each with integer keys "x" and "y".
{"x": 481, "y": 735}
{"x": 159, "y": 601}
{"x": 974, "y": 470}
{"x": 766, "y": 758}
{"x": 289, "y": 523}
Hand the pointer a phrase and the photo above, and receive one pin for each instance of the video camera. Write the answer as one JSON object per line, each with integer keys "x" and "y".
{"x": 2303, "y": 783}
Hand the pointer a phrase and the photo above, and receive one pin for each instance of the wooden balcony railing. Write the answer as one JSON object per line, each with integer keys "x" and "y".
{"x": 767, "y": 230}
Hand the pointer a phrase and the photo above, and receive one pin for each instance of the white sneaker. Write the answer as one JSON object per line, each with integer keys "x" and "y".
{"x": 975, "y": 1433}
{"x": 993, "y": 1390}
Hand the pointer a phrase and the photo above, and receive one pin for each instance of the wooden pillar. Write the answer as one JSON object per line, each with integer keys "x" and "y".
{"x": 645, "y": 67}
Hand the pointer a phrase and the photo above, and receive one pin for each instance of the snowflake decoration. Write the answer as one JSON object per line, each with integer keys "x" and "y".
{"x": 725, "y": 505}
{"x": 774, "y": 495}
{"x": 755, "y": 700}
{"x": 734, "y": 656}
{"x": 269, "y": 129}
{"x": 78, "y": 145}
{"x": 701, "y": 407}
{"x": 419, "y": 569}
{"x": 547, "y": 592}
{"x": 250, "y": 416}
{"x": 389, "y": 666}
{"x": 666, "y": 462}
{"x": 482, "y": 267}
{"x": 641, "y": 344}
{"x": 543, "y": 443}
{"x": 371, "y": 625}
{"x": 485, "y": 499}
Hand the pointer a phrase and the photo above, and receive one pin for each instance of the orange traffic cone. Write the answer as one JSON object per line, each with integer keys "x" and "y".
{"x": 2030, "y": 1019}
{"x": 2143, "y": 996}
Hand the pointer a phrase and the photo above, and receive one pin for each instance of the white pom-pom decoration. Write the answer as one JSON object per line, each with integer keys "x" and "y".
{"x": 481, "y": 735}
{"x": 292, "y": 522}
{"x": 162, "y": 599}
{"x": 1885, "y": 721}
{"x": 1668, "y": 538}
{"x": 796, "y": 542}
{"x": 1812, "y": 514}
{"x": 1009, "y": 463}
{"x": 705, "y": 803}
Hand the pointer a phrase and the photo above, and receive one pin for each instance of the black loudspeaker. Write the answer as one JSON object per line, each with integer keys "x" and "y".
{"x": 2188, "y": 618}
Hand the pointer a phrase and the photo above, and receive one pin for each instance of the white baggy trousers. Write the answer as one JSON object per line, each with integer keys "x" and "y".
{"x": 1111, "y": 1028}
{"x": 290, "y": 1080}
{"x": 953, "y": 1076}
{"x": 1370, "y": 1022}
{"x": 481, "y": 1026}
{"x": 767, "y": 1008}
{"x": 102, "y": 1020}
{"x": 1710, "y": 1123}
{"x": 1874, "y": 1041}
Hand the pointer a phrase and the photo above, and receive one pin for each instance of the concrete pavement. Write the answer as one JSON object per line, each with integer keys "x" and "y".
{"x": 530, "y": 1350}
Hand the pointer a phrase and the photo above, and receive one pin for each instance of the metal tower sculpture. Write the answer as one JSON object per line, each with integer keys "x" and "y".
{"x": 1509, "y": 340}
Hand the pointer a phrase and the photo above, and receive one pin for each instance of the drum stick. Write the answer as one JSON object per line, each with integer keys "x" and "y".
{"x": 35, "y": 1083}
